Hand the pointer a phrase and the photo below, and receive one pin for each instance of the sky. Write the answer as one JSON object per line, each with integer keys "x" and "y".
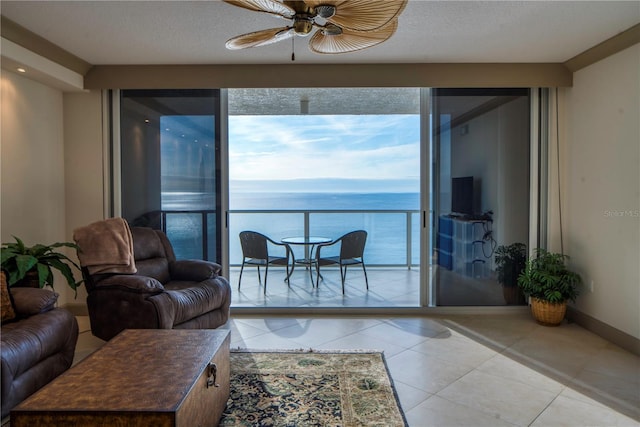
{"x": 347, "y": 149}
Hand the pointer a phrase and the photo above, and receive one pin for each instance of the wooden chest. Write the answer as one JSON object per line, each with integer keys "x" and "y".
{"x": 139, "y": 378}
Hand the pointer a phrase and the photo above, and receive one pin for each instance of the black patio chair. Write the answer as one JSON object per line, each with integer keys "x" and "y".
{"x": 255, "y": 251}
{"x": 351, "y": 253}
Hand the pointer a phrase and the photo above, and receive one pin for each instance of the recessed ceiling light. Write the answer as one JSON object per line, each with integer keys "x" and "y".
{"x": 146, "y": 120}
{"x": 21, "y": 70}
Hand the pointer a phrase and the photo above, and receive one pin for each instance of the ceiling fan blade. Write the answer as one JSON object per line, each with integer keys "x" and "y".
{"x": 349, "y": 40}
{"x": 259, "y": 38}
{"x": 268, "y": 6}
{"x": 362, "y": 15}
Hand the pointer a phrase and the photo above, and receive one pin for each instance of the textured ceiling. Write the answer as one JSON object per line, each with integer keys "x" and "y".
{"x": 324, "y": 101}
{"x": 194, "y": 32}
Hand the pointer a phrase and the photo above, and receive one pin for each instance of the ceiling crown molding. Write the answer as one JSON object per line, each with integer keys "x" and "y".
{"x": 41, "y": 46}
{"x": 605, "y": 49}
{"x": 327, "y": 75}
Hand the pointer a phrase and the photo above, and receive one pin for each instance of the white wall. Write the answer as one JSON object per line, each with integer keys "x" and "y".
{"x": 600, "y": 157}
{"x": 52, "y": 169}
{"x": 32, "y": 153}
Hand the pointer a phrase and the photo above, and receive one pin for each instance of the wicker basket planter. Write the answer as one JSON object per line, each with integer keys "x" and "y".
{"x": 547, "y": 313}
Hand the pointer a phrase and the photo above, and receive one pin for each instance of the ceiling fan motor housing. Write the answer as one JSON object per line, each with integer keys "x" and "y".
{"x": 303, "y": 24}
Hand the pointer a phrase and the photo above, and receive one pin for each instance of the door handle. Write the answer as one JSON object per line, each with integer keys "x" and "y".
{"x": 212, "y": 373}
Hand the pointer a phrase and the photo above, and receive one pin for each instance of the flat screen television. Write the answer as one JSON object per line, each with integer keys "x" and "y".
{"x": 462, "y": 196}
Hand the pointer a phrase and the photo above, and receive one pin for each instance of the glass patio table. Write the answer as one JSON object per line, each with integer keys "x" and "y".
{"x": 309, "y": 242}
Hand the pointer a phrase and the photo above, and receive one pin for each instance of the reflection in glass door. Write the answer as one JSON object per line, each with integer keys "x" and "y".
{"x": 481, "y": 152}
{"x": 170, "y": 167}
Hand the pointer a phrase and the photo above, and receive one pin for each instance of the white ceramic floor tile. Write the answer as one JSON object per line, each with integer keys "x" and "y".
{"x": 568, "y": 412}
{"x": 498, "y": 332}
{"x": 430, "y": 375}
{"x": 436, "y": 411}
{"x": 499, "y": 397}
{"x": 409, "y": 396}
{"x": 424, "y": 327}
{"x": 269, "y": 342}
{"x": 360, "y": 341}
{"x": 268, "y": 324}
{"x": 455, "y": 349}
{"x": 552, "y": 355}
{"x": 315, "y": 332}
{"x": 243, "y": 331}
{"x": 503, "y": 366}
{"x": 396, "y": 334}
{"x": 615, "y": 362}
{"x": 590, "y": 394}
{"x": 626, "y": 389}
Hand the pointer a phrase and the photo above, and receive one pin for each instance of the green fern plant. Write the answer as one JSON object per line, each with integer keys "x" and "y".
{"x": 19, "y": 259}
{"x": 547, "y": 277}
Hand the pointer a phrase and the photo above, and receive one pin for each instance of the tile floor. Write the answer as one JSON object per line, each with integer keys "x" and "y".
{"x": 462, "y": 370}
{"x": 388, "y": 287}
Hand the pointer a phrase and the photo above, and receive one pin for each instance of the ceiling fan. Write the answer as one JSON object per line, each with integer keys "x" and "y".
{"x": 340, "y": 25}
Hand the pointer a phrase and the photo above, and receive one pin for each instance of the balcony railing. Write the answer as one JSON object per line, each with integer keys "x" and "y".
{"x": 393, "y": 235}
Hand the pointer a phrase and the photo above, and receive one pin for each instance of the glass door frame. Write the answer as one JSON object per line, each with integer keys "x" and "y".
{"x": 113, "y": 164}
{"x": 539, "y": 128}
{"x": 539, "y": 141}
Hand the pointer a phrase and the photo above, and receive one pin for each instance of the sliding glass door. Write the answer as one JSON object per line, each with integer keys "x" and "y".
{"x": 480, "y": 224}
{"x": 439, "y": 178}
{"x": 170, "y": 167}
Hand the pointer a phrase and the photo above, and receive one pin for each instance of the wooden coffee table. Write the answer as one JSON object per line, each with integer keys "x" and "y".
{"x": 139, "y": 378}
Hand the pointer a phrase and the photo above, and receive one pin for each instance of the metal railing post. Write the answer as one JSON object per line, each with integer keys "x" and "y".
{"x": 307, "y": 254}
{"x": 409, "y": 240}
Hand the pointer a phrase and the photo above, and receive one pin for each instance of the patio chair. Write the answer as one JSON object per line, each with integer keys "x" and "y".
{"x": 351, "y": 253}
{"x": 255, "y": 251}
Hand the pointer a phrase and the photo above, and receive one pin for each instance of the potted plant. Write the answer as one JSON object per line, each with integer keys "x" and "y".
{"x": 32, "y": 266}
{"x": 510, "y": 261}
{"x": 550, "y": 284}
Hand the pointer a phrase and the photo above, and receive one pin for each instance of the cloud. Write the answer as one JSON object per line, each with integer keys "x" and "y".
{"x": 339, "y": 146}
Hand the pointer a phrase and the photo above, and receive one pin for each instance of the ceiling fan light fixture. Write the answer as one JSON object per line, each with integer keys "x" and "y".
{"x": 331, "y": 30}
{"x": 325, "y": 11}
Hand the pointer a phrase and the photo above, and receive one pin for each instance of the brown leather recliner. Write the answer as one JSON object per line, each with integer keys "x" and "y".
{"x": 165, "y": 293}
{"x": 37, "y": 346}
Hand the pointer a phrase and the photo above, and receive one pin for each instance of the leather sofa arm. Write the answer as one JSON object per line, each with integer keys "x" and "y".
{"x": 194, "y": 270}
{"x": 132, "y": 283}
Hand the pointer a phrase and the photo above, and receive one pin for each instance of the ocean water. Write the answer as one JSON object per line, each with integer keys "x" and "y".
{"x": 325, "y": 201}
{"x": 387, "y": 241}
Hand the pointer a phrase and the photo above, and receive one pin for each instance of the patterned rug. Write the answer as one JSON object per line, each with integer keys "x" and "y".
{"x": 311, "y": 388}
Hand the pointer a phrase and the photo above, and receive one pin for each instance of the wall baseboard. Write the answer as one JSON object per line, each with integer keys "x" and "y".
{"x": 609, "y": 333}
{"x": 77, "y": 309}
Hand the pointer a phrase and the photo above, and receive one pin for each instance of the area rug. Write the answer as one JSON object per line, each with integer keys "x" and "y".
{"x": 311, "y": 388}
